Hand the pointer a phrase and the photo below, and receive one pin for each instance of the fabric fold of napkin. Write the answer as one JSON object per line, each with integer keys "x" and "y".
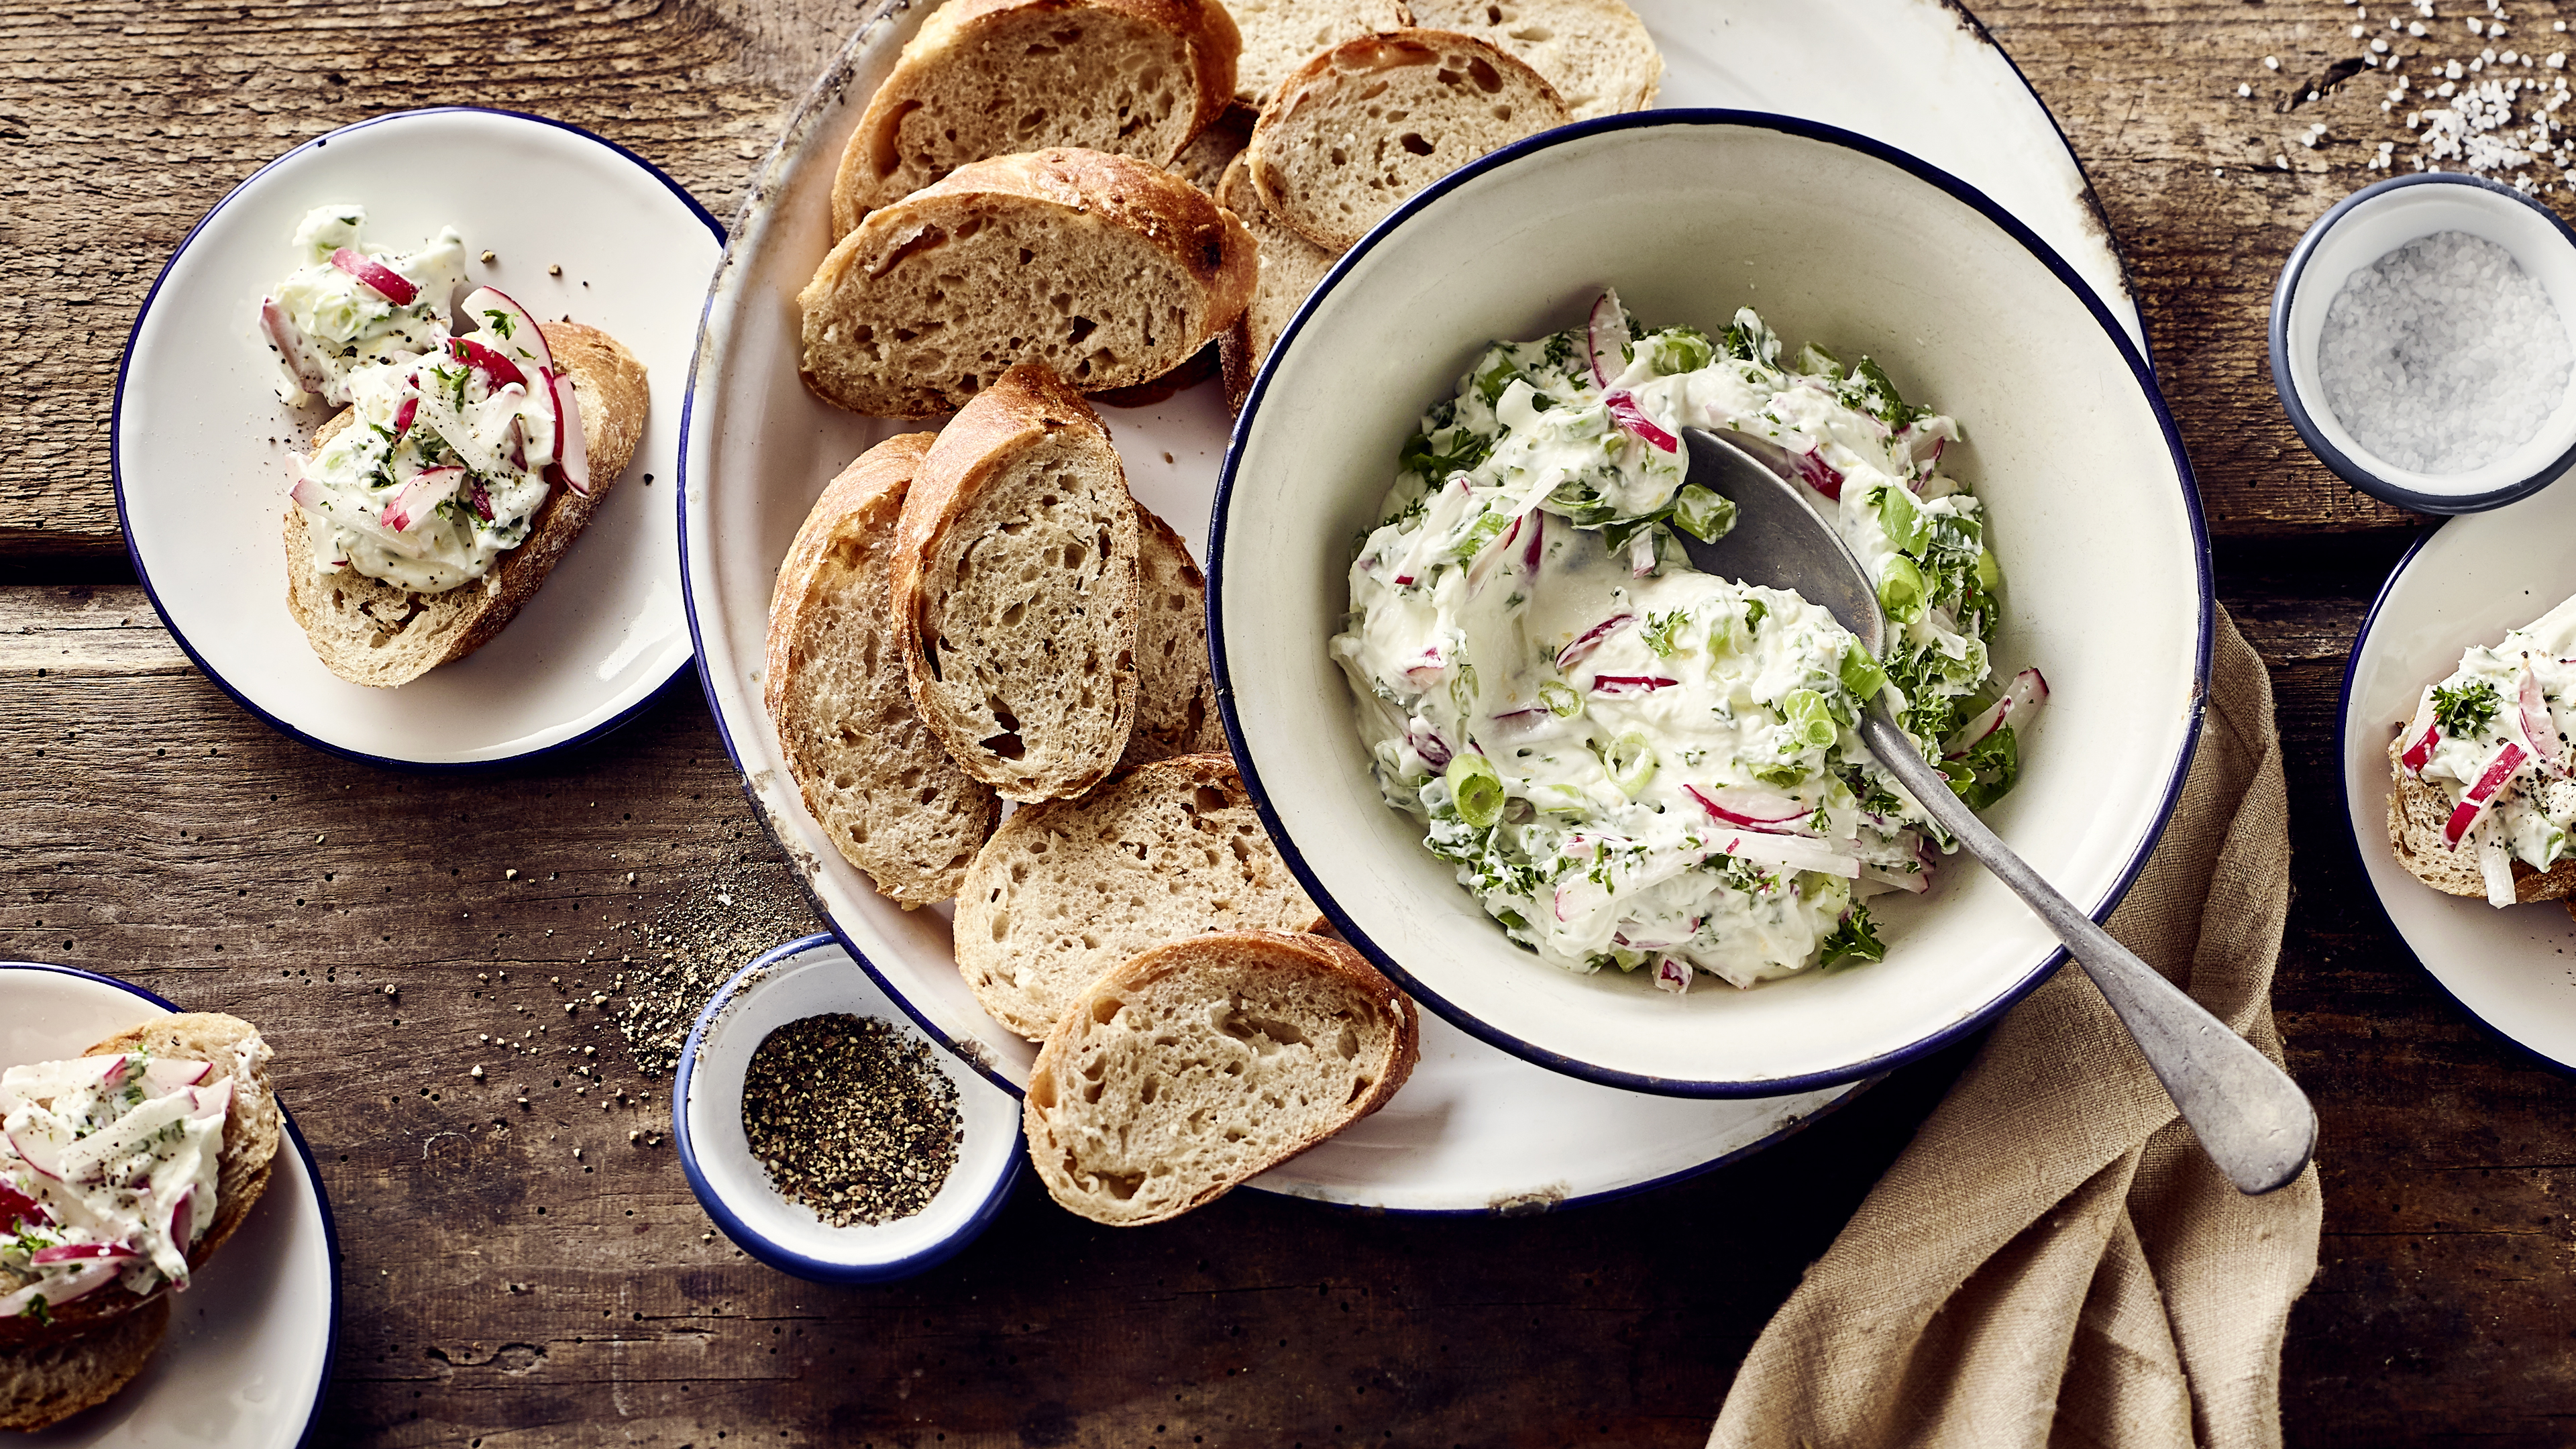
{"x": 2052, "y": 1261}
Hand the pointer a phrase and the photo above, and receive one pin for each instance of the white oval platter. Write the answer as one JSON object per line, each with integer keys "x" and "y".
{"x": 250, "y": 1344}
{"x": 200, "y": 441}
{"x": 1475, "y": 1130}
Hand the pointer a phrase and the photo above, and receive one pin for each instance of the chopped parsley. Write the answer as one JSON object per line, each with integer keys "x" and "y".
{"x": 2464, "y": 711}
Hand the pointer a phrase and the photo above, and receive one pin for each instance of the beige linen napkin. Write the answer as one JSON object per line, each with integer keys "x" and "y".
{"x": 2052, "y": 1261}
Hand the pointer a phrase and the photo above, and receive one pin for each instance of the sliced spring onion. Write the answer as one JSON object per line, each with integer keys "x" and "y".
{"x": 1477, "y": 790}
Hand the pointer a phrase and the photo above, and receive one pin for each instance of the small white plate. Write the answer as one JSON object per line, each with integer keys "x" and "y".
{"x": 250, "y": 1343}
{"x": 801, "y": 979}
{"x": 2467, "y": 582}
{"x": 200, "y": 442}
{"x": 1475, "y": 1129}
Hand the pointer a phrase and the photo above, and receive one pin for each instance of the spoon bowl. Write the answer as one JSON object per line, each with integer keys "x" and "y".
{"x": 2251, "y": 1119}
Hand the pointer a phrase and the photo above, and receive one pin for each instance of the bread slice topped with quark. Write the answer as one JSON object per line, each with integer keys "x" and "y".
{"x": 872, "y": 774}
{"x": 2482, "y": 797}
{"x": 1015, "y": 590}
{"x": 995, "y": 77}
{"x": 1202, "y": 1064}
{"x": 1360, "y": 127}
{"x": 1109, "y": 270}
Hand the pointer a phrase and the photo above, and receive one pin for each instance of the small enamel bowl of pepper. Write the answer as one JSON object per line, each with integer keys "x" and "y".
{"x": 826, "y": 1134}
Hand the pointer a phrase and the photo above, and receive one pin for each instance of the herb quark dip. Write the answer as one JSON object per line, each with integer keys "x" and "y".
{"x": 1635, "y": 764}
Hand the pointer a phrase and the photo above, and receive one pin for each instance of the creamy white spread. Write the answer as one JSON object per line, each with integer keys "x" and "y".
{"x": 108, "y": 1171}
{"x": 1632, "y": 763}
{"x": 456, "y": 440}
{"x": 2493, "y": 738}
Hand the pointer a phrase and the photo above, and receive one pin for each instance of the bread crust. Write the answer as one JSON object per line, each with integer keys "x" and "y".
{"x": 1291, "y": 266}
{"x": 343, "y": 614}
{"x": 2417, "y": 813}
{"x": 253, "y": 1128}
{"x": 975, "y": 452}
{"x": 1597, "y": 53}
{"x": 1081, "y": 199}
{"x": 1176, "y": 711}
{"x": 1057, "y": 1156}
{"x": 47, "y": 1381}
{"x": 1363, "y": 63}
{"x": 873, "y": 171}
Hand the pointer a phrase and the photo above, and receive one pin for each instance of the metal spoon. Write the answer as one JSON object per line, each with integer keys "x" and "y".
{"x": 2252, "y": 1120}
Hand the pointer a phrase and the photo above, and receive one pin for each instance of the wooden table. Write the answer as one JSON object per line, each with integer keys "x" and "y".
{"x": 501, "y": 1292}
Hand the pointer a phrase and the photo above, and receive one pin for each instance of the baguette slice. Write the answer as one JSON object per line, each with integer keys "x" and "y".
{"x": 1291, "y": 267}
{"x": 2417, "y": 813}
{"x": 45, "y": 1382}
{"x": 379, "y": 634}
{"x": 1110, "y": 270}
{"x": 253, "y": 1128}
{"x": 1595, "y": 52}
{"x": 990, "y": 77}
{"x": 1175, "y": 692}
{"x": 1015, "y": 591}
{"x": 1357, "y": 129}
{"x": 1206, "y": 1062}
{"x": 1204, "y": 160}
{"x": 1278, "y": 35}
{"x": 871, "y": 773}
{"x": 1067, "y": 890}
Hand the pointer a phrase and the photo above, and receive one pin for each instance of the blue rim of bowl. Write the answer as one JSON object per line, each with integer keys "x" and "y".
{"x": 1921, "y": 170}
{"x": 2342, "y": 464}
{"x": 2344, "y": 736}
{"x": 143, "y": 574}
{"x": 787, "y": 1260}
{"x": 312, "y": 1174}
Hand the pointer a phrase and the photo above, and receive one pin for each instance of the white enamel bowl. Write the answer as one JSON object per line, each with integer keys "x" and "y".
{"x": 1837, "y": 240}
{"x": 250, "y": 1344}
{"x": 2368, "y": 225}
{"x": 200, "y": 441}
{"x": 2465, "y": 583}
{"x": 809, "y": 978}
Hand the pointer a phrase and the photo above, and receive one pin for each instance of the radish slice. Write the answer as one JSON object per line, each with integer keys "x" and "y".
{"x": 82, "y": 1253}
{"x": 210, "y": 1102}
{"x": 2020, "y": 700}
{"x": 37, "y": 1148}
{"x": 2537, "y": 725}
{"x": 403, "y": 415}
{"x": 181, "y": 1229}
{"x": 1622, "y": 684}
{"x": 1590, "y": 639}
{"x": 1623, "y": 407}
{"x": 87, "y": 1280}
{"x": 17, "y": 1208}
{"x": 164, "y": 1075}
{"x": 1609, "y": 339}
{"x": 1917, "y": 881}
{"x": 2482, "y": 794}
{"x": 393, "y": 286}
{"x": 1796, "y": 852}
{"x": 1427, "y": 743}
{"x": 1672, "y": 976}
{"x": 572, "y": 451}
{"x": 1752, "y": 809}
{"x": 2420, "y": 753}
{"x": 522, "y": 335}
{"x": 1537, "y": 533}
{"x": 497, "y": 370}
{"x": 1643, "y": 553}
{"x": 1820, "y": 475}
{"x": 294, "y": 350}
{"x": 427, "y": 489}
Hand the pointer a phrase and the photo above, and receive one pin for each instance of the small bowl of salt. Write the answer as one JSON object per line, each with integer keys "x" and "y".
{"x": 826, "y": 1134}
{"x": 2423, "y": 339}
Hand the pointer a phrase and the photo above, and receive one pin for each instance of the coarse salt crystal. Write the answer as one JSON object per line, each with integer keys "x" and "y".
{"x": 2443, "y": 355}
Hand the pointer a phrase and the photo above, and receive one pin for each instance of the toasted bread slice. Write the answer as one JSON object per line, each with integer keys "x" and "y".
{"x": 1067, "y": 890}
{"x": 1015, "y": 591}
{"x": 1175, "y": 692}
{"x": 993, "y": 77}
{"x": 1291, "y": 266}
{"x": 48, "y": 1380}
{"x": 1206, "y": 1062}
{"x": 1111, "y": 271}
{"x": 1204, "y": 160}
{"x": 1278, "y": 35}
{"x": 253, "y": 1128}
{"x": 872, "y": 774}
{"x": 379, "y": 634}
{"x": 2417, "y": 814}
{"x": 1360, "y": 127}
{"x": 1595, "y": 52}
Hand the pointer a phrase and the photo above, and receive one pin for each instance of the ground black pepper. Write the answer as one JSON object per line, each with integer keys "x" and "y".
{"x": 852, "y": 1118}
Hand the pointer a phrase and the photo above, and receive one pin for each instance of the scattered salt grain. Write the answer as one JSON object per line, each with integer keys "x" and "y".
{"x": 2443, "y": 355}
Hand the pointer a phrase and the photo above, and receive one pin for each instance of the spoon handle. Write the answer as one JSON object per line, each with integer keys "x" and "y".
{"x": 2252, "y": 1120}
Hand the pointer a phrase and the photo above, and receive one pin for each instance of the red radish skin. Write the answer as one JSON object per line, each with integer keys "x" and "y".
{"x": 525, "y": 334}
{"x": 1607, "y": 337}
{"x": 1623, "y": 406}
{"x": 393, "y": 286}
{"x": 2420, "y": 754}
{"x": 572, "y": 451}
{"x": 1616, "y": 685}
{"x": 16, "y": 1208}
{"x": 2464, "y": 817}
{"x": 498, "y": 371}
{"x": 426, "y": 490}
{"x": 1590, "y": 639}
